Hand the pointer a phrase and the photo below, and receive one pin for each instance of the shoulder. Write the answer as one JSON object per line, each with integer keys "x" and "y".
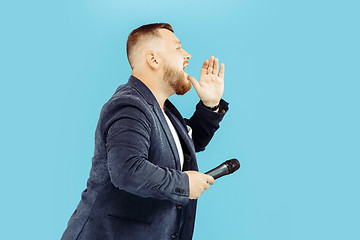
{"x": 125, "y": 102}
{"x": 126, "y": 96}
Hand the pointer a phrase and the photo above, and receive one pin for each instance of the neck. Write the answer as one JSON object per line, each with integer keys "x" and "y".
{"x": 158, "y": 88}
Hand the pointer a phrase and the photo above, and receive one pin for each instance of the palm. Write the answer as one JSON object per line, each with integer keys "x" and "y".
{"x": 210, "y": 88}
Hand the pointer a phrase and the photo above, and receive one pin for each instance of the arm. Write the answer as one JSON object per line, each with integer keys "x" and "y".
{"x": 210, "y": 89}
{"x": 128, "y": 143}
{"x": 204, "y": 123}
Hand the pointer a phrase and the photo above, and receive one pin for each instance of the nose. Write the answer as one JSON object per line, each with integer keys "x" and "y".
{"x": 187, "y": 55}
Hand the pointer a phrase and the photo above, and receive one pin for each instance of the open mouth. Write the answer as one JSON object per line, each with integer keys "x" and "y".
{"x": 185, "y": 74}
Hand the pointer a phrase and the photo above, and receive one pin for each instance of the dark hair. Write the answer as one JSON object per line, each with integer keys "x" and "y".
{"x": 149, "y": 30}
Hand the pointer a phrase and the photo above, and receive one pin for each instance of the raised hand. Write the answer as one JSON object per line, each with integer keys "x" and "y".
{"x": 210, "y": 88}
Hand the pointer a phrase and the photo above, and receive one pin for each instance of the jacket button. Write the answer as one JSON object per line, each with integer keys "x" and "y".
{"x": 180, "y": 190}
{"x": 174, "y": 235}
{"x": 179, "y": 206}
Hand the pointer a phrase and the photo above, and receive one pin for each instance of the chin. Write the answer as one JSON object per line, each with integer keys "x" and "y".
{"x": 178, "y": 80}
{"x": 184, "y": 87}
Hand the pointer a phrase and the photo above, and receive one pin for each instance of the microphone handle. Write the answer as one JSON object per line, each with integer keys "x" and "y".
{"x": 219, "y": 171}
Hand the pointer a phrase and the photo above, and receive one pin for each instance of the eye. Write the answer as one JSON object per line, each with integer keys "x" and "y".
{"x": 179, "y": 47}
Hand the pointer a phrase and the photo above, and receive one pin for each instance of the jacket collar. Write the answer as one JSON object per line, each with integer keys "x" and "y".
{"x": 144, "y": 91}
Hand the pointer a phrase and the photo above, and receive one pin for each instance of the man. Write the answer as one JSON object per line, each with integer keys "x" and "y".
{"x": 144, "y": 182}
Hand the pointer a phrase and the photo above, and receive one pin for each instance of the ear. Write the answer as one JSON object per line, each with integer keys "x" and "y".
{"x": 152, "y": 61}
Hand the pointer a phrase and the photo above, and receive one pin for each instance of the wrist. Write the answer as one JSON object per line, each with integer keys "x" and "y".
{"x": 211, "y": 105}
{"x": 214, "y": 108}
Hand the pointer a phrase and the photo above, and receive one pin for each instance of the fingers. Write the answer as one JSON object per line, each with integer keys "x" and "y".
{"x": 204, "y": 68}
{"x": 198, "y": 182}
{"x": 222, "y": 71}
{"x": 211, "y": 65}
{"x": 210, "y": 179}
{"x": 216, "y": 67}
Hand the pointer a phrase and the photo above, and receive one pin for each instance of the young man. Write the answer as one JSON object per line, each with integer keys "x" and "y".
{"x": 144, "y": 181}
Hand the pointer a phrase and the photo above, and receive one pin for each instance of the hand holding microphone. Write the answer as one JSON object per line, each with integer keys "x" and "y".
{"x": 198, "y": 182}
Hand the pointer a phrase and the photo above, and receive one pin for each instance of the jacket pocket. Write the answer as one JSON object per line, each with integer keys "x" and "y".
{"x": 127, "y": 206}
{"x": 119, "y": 216}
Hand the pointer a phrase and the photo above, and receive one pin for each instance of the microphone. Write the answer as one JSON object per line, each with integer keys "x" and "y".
{"x": 225, "y": 168}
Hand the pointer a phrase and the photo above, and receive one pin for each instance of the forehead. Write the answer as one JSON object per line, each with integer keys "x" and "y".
{"x": 169, "y": 37}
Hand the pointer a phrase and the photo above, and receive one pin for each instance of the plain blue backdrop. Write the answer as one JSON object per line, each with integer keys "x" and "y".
{"x": 292, "y": 80}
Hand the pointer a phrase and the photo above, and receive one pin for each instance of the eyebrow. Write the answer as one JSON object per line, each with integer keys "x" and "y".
{"x": 177, "y": 42}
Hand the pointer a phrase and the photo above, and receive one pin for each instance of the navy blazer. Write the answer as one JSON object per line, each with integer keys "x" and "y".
{"x": 136, "y": 189}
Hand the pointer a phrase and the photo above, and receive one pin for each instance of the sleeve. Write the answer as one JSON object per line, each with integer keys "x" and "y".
{"x": 204, "y": 123}
{"x": 128, "y": 143}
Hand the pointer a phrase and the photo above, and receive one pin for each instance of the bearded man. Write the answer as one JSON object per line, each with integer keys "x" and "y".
{"x": 144, "y": 179}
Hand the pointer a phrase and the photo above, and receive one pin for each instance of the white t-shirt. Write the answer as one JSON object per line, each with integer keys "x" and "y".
{"x": 176, "y": 139}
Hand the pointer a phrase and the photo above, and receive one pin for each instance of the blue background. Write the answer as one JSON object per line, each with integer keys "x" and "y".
{"x": 292, "y": 80}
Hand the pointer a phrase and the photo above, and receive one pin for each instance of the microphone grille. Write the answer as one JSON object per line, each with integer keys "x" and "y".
{"x": 233, "y": 165}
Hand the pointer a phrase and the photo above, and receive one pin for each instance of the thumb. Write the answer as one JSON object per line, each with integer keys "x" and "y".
{"x": 210, "y": 179}
{"x": 194, "y": 82}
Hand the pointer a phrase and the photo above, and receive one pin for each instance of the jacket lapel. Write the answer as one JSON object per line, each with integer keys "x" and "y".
{"x": 190, "y": 162}
{"x": 181, "y": 129}
{"x": 174, "y": 117}
{"x": 165, "y": 126}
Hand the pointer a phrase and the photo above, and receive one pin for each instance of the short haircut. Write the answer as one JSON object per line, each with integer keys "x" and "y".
{"x": 138, "y": 34}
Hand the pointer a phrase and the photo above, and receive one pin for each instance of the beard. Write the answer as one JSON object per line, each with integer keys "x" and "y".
{"x": 177, "y": 81}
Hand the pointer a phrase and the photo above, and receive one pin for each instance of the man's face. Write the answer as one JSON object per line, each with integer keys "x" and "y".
{"x": 175, "y": 60}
